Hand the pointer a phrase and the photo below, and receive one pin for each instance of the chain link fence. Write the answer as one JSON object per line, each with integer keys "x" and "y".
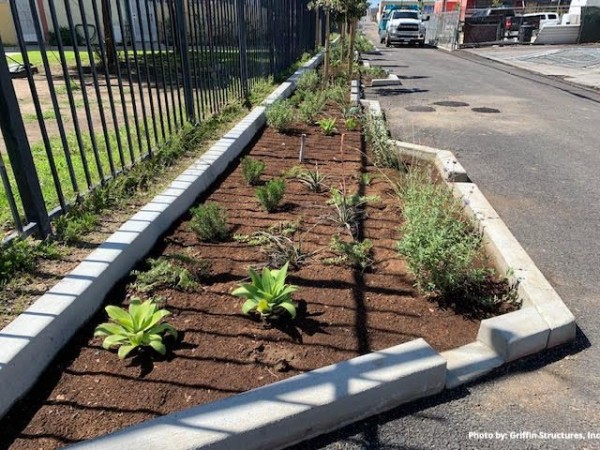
{"x": 442, "y": 30}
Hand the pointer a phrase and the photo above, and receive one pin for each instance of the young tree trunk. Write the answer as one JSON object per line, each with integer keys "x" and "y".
{"x": 351, "y": 47}
{"x": 342, "y": 29}
{"x": 109, "y": 39}
{"x": 326, "y": 51}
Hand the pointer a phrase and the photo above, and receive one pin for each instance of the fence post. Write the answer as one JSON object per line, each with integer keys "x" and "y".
{"x": 19, "y": 152}
{"x": 241, "y": 15}
{"x": 185, "y": 60}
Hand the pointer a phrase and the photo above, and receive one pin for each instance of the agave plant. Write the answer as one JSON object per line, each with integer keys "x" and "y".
{"x": 268, "y": 294}
{"x": 327, "y": 126}
{"x": 139, "y": 326}
{"x": 312, "y": 179}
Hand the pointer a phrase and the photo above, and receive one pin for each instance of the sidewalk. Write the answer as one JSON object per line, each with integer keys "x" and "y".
{"x": 575, "y": 64}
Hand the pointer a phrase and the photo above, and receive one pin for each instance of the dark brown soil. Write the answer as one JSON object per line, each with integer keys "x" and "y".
{"x": 220, "y": 352}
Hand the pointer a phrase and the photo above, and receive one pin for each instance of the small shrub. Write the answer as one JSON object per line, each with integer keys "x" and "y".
{"x": 351, "y": 112}
{"x": 310, "y": 108}
{"x": 362, "y": 43}
{"x": 19, "y": 255}
{"x": 349, "y": 209}
{"x": 327, "y": 126}
{"x": 354, "y": 253}
{"x": 268, "y": 294}
{"x": 162, "y": 273}
{"x": 72, "y": 226}
{"x": 312, "y": 179}
{"x": 440, "y": 247}
{"x": 282, "y": 249}
{"x": 139, "y": 326}
{"x": 66, "y": 37}
{"x": 252, "y": 169}
{"x": 373, "y": 72}
{"x": 366, "y": 179}
{"x": 259, "y": 238}
{"x": 351, "y": 123}
{"x": 308, "y": 82}
{"x": 280, "y": 115}
{"x": 209, "y": 222}
{"x": 339, "y": 95}
{"x": 385, "y": 154}
{"x": 271, "y": 194}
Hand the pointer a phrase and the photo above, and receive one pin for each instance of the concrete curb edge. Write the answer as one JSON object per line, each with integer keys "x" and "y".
{"x": 30, "y": 342}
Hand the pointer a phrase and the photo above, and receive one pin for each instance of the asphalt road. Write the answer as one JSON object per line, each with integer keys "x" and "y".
{"x": 537, "y": 160}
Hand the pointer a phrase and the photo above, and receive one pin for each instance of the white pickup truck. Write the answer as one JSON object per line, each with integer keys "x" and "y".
{"x": 405, "y": 26}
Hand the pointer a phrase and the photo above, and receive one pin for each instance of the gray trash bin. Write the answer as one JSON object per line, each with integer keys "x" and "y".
{"x": 525, "y": 33}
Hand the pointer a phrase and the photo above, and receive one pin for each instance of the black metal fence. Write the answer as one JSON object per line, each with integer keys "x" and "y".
{"x": 94, "y": 86}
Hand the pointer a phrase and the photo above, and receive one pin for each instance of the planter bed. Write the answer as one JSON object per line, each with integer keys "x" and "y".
{"x": 343, "y": 312}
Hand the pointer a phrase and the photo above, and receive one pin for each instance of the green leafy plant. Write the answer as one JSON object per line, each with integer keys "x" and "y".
{"x": 268, "y": 294}
{"x": 348, "y": 209}
{"x": 259, "y": 238}
{"x": 20, "y": 255}
{"x": 327, "y": 126}
{"x": 76, "y": 223}
{"x": 366, "y": 179}
{"x": 363, "y": 44}
{"x": 140, "y": 326}
{"x": 310, "y": 108}
{"x": 309, "y": 81}
{"x": 339, "y": 95}
{"x": 209, "y": 222}
{"x": 351, "y": 123}
{"x": 353, "y": 253}
{"x": 252, "y": 169}
{"x": 271, "y": 194}
{"x": 280, "y": 115}
{"x": 440, "y": 247}
{"x": 385, "y": 153}
{"x": 163, "y": 273}
{"x": 312, "y": 179}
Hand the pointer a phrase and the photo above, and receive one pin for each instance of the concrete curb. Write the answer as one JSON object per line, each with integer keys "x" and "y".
{"x": 444, "y": 160}
{"x": 391, "y": 80}
{"x": 283, "y": 413}
{"x": 30, "y": 342}
{"x": 292, "y": 410}
{"x": 543, "y": 322}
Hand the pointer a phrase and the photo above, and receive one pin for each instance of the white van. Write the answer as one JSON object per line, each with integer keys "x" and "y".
{"x": 540, "y": 20}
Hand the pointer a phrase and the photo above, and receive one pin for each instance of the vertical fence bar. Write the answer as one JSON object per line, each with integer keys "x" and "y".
{"x": 73, "y": 109}
{"x": 185, "y": 60}
{"x": 86, "y": 102}
{"x": 138, "y": 76}
{"x": 147, "y": 71}
{"x": 271, "y": 35}
{"x": 10, "y": 196}
{"x": 107, "y": 10}
{"x": 36, "y": 100}
{"x": 162, "y": 73}
{"x": 134, "y": 108}
{"x": 193, "y": 45}
{"x": 94, "y": 72}
{"x": 19, "y": 152}
{"x": 154, "y": 74}
{"x": 242, "y": 48}
{"x": 168, "y": 38}
{"x": 106, "y": 63}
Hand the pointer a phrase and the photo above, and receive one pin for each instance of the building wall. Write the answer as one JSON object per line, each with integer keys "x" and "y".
{"x": 7, "y": 28}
